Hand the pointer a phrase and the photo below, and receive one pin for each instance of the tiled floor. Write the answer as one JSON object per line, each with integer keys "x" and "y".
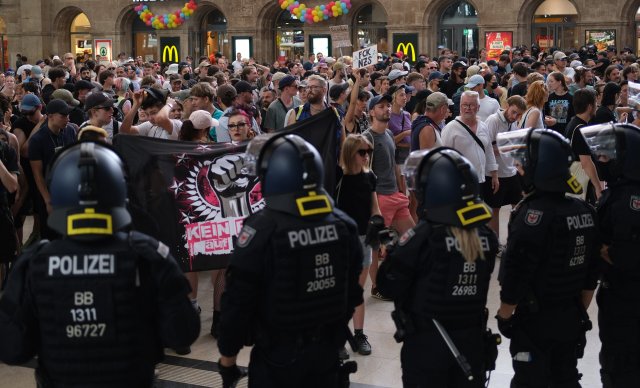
{"x": 380, "y": 369}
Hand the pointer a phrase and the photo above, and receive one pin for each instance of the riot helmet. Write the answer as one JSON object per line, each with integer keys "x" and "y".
{"x": 88, "y": 192}
{"x": 613, "y": 145}
{"x": 446, "y": 187}
{"x": 544, "y": 157}
{"x": 291, "y": 174}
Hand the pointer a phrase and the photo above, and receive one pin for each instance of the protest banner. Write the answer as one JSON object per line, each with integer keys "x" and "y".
{"x": 194, "y": 197}
{"x": 365, "y": 57}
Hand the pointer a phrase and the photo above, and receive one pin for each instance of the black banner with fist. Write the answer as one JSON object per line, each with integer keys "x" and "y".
{"x": 194, "y": 197}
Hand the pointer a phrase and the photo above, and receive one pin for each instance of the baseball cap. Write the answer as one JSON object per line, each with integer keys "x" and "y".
{"x": 243, "y": 86}
{"x": 575, "y": 64}
{"x": 66, "y": 96}
{"x": 277, "y": 76}
{"x": 307, "y": 66}
{"x": 559, "y": 55}
{"x": 202, "y": 119}
{"x": 98, "y": 100}
{"x": 574, "y": 56}
{"x": 407, "y": 89}
{"x": 204, "y": 63}
{"x": 226, "y": 91}
{"x": 395, "y": 73}
{"x": 173, "y": 69}
{"x": 58, "y": 106}
{"x": 29, "y": 103}
{"x": 473, "y": 70}
{"x": 336, "y": 90}
{"x": 84, "y": 85}
{"x": 36, "y": 72}
{"x": 378, "y": 99}
{"x": 458, "y": 65}
{"x": 438, "y": 99}
{"x": 287, "y": 80}
{"x": 474, "y": 81}
{"x": 435, "y": 75}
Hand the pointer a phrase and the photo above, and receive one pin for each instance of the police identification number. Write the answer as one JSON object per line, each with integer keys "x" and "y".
{"x": 324, "y": 276}
{"x": 466, "y": 283}
{"x": 579, "y": 251}
{"x": 84, "y": 317}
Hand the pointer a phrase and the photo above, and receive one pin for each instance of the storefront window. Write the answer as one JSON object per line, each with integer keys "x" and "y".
{"x": 457, "y": 28}
{"x": 81, "y": 38}
{"x": 554, "y": 25}
{"x": 216, "y": 37}
{"x": 145, "y": 41}
{"x": 371, "y": 28}
{"x": 289, "y": 36}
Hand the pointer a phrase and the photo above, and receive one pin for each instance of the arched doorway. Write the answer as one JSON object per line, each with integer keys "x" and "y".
{"x": 81, "y": 40}
{"x": 370, "y": 27}
{"x": 458, "y": 28}
{"x": 4, "y": 49}
{"x": 215, "y": 34}
{"x": 289, "y": 34}
{"x": 554, "y": 25}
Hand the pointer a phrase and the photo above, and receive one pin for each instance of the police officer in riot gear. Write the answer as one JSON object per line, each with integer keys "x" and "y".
{"x": 98, "y": 306}
{"x": 293, "y": 280}
{"x": 616, "y": 148}
{"x": 549, "y": 272}
{"x": 440, "y": 270}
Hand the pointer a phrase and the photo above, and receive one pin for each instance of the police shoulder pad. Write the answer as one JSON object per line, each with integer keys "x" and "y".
{"x": 408, "y": 235}
{"x": 246, "y": 235}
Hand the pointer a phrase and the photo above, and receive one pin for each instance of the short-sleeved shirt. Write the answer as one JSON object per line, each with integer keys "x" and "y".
{"x": 152, "y": 130}
{"x": 10, "y": 160}
{"x": 43, "y": 144}
{"x": 560, "y": 108}
{"x": 383, "y": 163}
{"x": 603, "y": 116}
{"x": 399, "y": 122}
{"x": 276, "y": 113}
{"x": 354, "y": 197}
{"x": 578, "y": 143}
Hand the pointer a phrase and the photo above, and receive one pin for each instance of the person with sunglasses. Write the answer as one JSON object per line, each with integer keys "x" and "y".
{"x": 100, "y": 109}
{"x": 355, "y": 195}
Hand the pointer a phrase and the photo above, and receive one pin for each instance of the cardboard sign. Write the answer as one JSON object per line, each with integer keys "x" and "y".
{"x": 340, "y": 36}
{"x": 365, "y": 57}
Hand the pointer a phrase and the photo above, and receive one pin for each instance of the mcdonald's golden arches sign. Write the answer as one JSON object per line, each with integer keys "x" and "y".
{"x": 170, "y": 49}
{"x": 407, "y": 44}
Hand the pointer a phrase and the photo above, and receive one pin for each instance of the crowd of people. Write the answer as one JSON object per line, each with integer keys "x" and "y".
{"x": 383, "y": 112}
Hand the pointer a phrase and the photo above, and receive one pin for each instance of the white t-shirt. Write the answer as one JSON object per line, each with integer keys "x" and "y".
{"x": 496, "y": 123}
{"x": 151, "y": 130}
{"x": 488, "y": 106}
{"x": 455, "y": 136}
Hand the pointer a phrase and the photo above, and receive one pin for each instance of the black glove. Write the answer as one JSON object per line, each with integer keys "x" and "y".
{"x": 375, "y": 226}
{"x": 230, "y": 375}
{"x": 505, "y": 326}
{"x": 585, "y": 326}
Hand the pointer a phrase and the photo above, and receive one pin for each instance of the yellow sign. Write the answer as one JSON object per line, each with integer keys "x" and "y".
{"x": 172, "y": 52}
{"x": 405, "y": 47}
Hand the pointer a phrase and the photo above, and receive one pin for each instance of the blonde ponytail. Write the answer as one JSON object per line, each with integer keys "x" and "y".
{"x": 469, "y": 242}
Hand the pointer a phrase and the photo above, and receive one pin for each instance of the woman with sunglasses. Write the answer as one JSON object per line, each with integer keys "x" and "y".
{"x": 355, "y": 195}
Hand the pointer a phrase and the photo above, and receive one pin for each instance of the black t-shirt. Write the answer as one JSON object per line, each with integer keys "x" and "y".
{"x": 450, "y": 87}
{"x": 44, "y": 144}
{"x": 560, "y": 108}
{"x": 603, "y": 116}
{"x": 519, "y": 90}
{"x": 578, "y": 143}
{"x": 47, "y": 91}
{"x": 10, "y": 160}
{"x": 354, "y": 197}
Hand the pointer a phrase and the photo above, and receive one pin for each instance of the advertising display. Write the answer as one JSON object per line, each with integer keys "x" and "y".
{"x": 496, "y": 42}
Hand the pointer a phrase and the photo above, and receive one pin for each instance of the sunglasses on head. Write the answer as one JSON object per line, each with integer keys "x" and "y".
{"x": 365, "y": 152}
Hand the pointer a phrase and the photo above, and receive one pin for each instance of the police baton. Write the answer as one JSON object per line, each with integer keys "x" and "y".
{"x": 460, "y": 359}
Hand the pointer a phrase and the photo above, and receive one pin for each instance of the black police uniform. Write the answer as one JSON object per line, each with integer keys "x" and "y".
{"x": 619, "y": 227}
{"x": 292, "y": 285}
{"x": 96, "y": 307}
{"x": 618, "y": 298}
{"x": 432, "y": 280}
{"x": 550, "y": 258}
{"x": 548, "y": 263}
{"x": 428, "y": 278}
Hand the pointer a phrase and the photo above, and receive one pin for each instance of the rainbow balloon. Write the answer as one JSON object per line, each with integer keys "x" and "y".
{"x": 300, "y": 11}
{"x": 168, "y": 20}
